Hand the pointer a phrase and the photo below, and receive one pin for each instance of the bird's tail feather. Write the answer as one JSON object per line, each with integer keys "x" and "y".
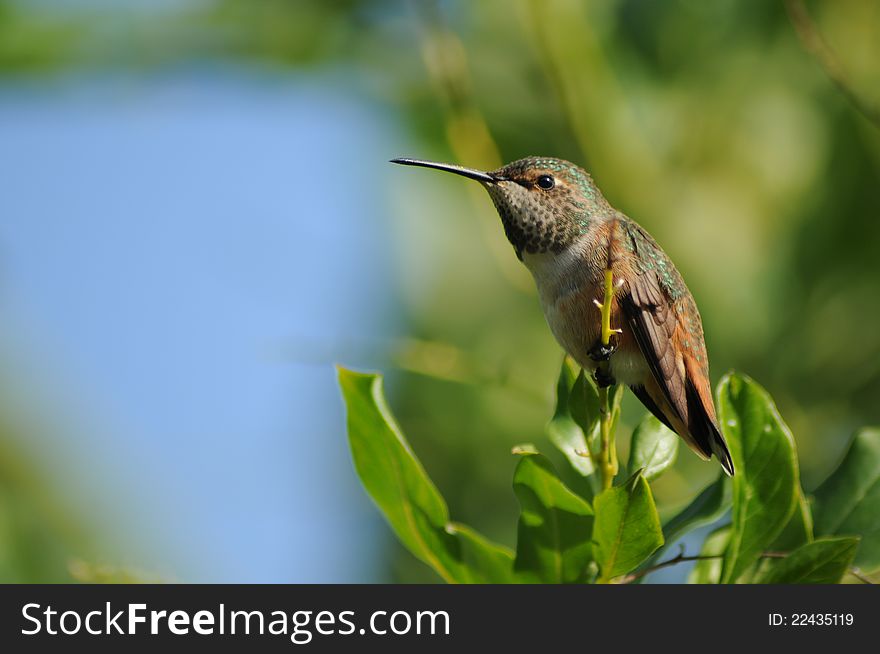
{"x": 705, "y": 431}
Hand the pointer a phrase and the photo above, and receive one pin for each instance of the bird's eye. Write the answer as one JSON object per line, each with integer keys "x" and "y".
{"x": 546, "y": 182}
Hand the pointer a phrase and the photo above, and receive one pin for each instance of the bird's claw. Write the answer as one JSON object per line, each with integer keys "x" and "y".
{"x": 603, "y": 378}
{"x": 600, "y": 352}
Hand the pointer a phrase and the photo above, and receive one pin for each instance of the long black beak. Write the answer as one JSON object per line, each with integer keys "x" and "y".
{"x": 478, "y": 175}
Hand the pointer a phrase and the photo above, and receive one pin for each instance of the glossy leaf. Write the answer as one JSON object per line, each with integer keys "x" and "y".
{"x": 615, "y": 398}
{"x": 584, "y": 404}
{"x": 848, "y": 502}
{"x": 707, "y": 507}
{"x": 574, "y": 428}
{"x": 765, "y": 487}
{"x": 555, "y": 526}
{"x": 799, "y": 529}
{"x": 400, "y": 487}
{"x": 627, "y": 529}
{"x": 564, "y": 431}
{"x": 708, "y": 568}
{"x": 654, "y": 448}
{"x": 483, "y": 562}
{"x": 823, "y": 561}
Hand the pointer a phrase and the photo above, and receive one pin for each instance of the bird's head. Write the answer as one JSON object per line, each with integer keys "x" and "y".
{"x": 544, "y": 203}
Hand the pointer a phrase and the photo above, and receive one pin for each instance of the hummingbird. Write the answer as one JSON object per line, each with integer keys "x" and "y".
{"x": 567, "y": 234}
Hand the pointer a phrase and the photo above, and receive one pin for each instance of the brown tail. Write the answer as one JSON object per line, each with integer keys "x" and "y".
{"x": 704, "y": 430}
{"x": 701, "y": 433}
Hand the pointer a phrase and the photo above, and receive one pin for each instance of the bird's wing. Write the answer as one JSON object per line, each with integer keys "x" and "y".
{"x": 681, "y": 378}
{"x": 649, "y": 316}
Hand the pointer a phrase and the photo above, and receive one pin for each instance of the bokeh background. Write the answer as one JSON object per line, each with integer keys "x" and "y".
{"x": 197, "y": 221}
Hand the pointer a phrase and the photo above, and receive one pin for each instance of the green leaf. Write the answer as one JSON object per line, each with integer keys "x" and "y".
{"x": 564, "y": 432}
{"x": 574, "y": 428}
{"x": 654, "y": 448}
{"x": 627, "y": 529}
{"x": 797, "y": 532}
{"x": 614, "y": 400}
{"x": 823, "y": 561}
{"x": 399, "y": 486}
{"x": 799, "y": 529}
{"x": 555, "y": 524}
{"x": 484, "y": 562}
{"x": 584, "y": 404}
{"x": 712, "y": 503}
{"x": 708, "y": 569}
{"x": 766, "y": 486}
{"x": 848, "y": 502}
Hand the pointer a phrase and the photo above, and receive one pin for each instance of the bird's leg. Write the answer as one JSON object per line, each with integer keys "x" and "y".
{"x": 601, "y": 353}
{"x": 603, "y": 377}
{"x": 604, "y": 346}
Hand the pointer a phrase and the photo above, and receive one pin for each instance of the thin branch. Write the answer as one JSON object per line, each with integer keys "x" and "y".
{"x": 537, "y": 22}
{"x": 607, "y": 455}
{"x": 822, "y": 52}
{"x": 682, "y": 558}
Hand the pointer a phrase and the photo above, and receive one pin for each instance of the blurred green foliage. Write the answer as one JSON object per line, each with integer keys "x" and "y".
{"x": 705, "y": 121}
{"x": 39, "y": 531}
{"x": 32, "y": 43}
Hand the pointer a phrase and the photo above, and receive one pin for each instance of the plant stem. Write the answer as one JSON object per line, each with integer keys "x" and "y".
{"x": 681, "y": 558}
{"x": 607, "y": 459}
{"x": 606, "y": 307}
{"x": 817, "y": 46}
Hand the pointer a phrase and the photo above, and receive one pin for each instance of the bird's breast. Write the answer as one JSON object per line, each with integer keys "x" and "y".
{"x": 569, "y": 285}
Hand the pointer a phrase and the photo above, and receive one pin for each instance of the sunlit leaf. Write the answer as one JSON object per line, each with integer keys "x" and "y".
{"x": 615, "y": 398}
{"x": 564, "y": 431}
{"x": 627, "y": 529}
{"x": 555, "y": 525}
{"x": 654, "y": 448}
{"x": 707, "y": 507}
{"x": 848, "y": 502}
{"x": 799, "y": 529}
{"x": 400, "y": 487}
{"x": 824, "y": 561}
{"x": 584, "y": 404}
{"x": 483, "y": 561}
{"x": 765, "y": 487}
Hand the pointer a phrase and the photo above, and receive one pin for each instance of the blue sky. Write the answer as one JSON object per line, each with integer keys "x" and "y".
{"x": 167, "y": 246}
